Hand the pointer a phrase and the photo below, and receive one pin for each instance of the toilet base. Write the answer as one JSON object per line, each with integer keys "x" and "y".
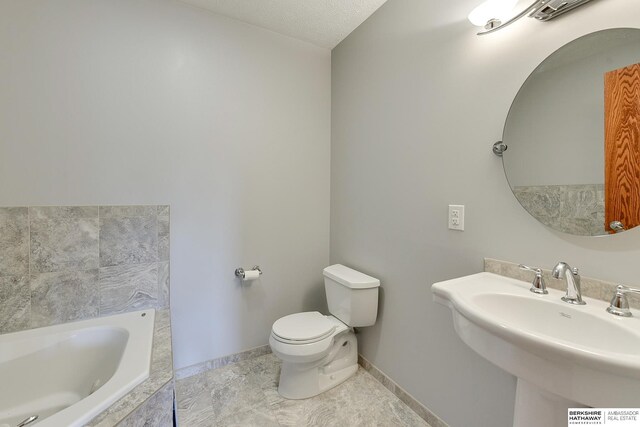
{"x": 305, "y": 380}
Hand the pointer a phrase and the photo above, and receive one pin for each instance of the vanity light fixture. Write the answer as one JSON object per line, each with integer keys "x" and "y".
{"x": 493, "y": 14}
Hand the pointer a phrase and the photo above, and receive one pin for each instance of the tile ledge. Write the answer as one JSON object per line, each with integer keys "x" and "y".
{"x": 161, "y": 376}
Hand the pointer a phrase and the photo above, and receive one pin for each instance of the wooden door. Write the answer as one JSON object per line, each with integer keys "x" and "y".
{"x": 622, "y": 146}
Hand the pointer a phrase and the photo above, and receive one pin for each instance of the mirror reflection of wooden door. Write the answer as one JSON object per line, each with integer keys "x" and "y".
{"x": 622, "y": 147}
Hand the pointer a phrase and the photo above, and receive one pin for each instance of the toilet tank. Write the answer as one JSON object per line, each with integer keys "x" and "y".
{"x": 352, "y": 296}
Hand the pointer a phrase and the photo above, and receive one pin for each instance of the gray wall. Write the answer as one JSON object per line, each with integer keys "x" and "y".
{"x": 417, "y": 102}
{"x": 154, "y": 102}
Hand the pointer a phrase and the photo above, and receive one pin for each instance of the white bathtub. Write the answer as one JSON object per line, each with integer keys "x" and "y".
{"x": 67, "y": 374}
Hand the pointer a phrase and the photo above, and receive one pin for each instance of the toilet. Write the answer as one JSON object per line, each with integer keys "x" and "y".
{"x": 319, "y": 352}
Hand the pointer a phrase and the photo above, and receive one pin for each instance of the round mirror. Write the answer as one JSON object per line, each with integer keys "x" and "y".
{"x": 573, "y": 136}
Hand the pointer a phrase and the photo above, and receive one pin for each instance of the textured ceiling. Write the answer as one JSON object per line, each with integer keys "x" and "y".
{"x": 321, "y": 22}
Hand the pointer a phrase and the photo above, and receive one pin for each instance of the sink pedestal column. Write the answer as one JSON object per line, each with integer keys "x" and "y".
{"x": 536, "y": 407}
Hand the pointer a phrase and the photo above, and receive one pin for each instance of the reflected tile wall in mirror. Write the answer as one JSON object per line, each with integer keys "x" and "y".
{"x": 574, "y": 209}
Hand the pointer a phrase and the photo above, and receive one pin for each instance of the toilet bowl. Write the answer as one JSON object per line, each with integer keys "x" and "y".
{"x": 319, "y": 352}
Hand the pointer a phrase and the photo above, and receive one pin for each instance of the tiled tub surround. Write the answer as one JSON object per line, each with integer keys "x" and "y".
{"x": 66, "y": 263}
{"x": 151, "y": 402}
{"x": 575, "y": 209}
{"x": 593, "y": 288}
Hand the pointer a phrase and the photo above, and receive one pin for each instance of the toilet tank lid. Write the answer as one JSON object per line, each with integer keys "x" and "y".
{"x": 350, "y": 278}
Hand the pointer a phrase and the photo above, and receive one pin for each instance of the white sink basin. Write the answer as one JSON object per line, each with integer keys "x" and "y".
{"x": 563, "y": 355}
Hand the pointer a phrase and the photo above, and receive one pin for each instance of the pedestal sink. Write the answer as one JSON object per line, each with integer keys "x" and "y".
{"x": 563, "y": 355}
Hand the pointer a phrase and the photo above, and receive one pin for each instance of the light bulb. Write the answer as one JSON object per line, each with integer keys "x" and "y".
{"x": 491, "y": 9}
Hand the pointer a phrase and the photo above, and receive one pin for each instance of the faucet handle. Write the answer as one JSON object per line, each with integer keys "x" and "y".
{"x": 619, "y": 303}
{"x": 534, "y": 269}
{"x": 537, "y": 286}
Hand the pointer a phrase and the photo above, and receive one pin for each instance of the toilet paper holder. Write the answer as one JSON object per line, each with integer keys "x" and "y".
{"x": 240, "y": 272}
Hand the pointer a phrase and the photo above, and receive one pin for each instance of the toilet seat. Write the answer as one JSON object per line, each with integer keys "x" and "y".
{"x": 304, "y": 337}
{"x": 303, "y": 328}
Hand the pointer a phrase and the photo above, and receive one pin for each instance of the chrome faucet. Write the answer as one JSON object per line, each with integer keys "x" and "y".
{"x": 563, "y": 271}
{"x": 619, "y": 303}
{"x": 537, "y": 286}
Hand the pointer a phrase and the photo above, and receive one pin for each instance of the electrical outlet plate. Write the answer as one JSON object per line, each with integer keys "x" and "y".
{"x": 456, "y": 217}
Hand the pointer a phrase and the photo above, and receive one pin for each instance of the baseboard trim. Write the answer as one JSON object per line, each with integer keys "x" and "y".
{"x": 207, "y": 365}
{"x": 417, "y": 407}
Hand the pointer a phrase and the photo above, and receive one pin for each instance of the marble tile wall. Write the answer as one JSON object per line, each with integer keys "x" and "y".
{"x": 575, "y": 209}
{"x": 155, "y": 411}
{"x": 65, "y": 263}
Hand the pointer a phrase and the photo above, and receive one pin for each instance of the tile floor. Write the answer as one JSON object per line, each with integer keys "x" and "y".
{"x": 245, "y": 394}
